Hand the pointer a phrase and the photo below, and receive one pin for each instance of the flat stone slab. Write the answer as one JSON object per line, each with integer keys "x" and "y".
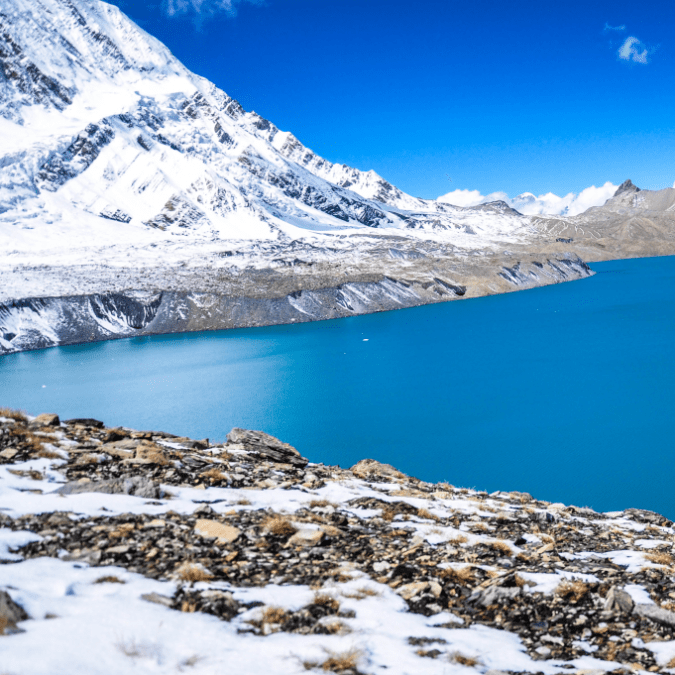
{"x": 212, "y": 529}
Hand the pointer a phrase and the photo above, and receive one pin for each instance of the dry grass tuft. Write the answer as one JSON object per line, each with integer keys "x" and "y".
{"x": 360, "y": 593}
{"x": 427, "y": 515}
{"x": 279, "y": 526}
{"x": 31, "y": 473}
{"x": 459, "y": 539}
{"x": 243, "y": 502}
{"x": 500, "y": 545}
{"x": 271, "y": 620}
{"x": 328, "y": 601}
{"x": 192, "y": 572}
{"x": 388, "y": 514}
{"x": 464, "y": 576}
{"x": 48, "y": 454}
{"x": 660, "y": 558}
{"x": 337, "y": 662}
{"x": 110, "y": 579}
{"x": 16, "y": 415}
{"x": 670, "y": 664}
{"x": 318, "y": 503}
{"x": 489, "y": 509}
{"x": 335, "y": 627}
{"x": 273, "y": 615}
{"x": 87, "y": 458}
{"x": 214, "y": 475}
{"x": 457, "y": 657}
{"x": 3, "y": 624}
{"x": 572, "y": 591}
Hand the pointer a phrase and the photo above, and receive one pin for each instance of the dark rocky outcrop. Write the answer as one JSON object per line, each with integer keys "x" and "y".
{"x": 626, "y": 186}
{"x": 267, "y": 446}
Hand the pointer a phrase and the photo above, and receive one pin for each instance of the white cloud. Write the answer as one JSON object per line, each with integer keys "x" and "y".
{"x": 547, "y": 204}
{"x": 202, "y": 9}
{"x": 463, "y": 198}
{"x": 617, "y": 28}
{"x": 633, "y": 50}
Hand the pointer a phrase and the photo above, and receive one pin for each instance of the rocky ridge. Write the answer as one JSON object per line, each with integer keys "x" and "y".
{"x": 303, "y": 567}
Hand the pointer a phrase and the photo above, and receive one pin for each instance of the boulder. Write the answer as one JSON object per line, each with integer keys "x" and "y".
{"x": 409, "y": 591}
{"x": 212, "y": 529}
{"x": 370, "y": 468}
{"x": 618, "y": 600}
{"x": 267, "y": 446}
{"x": 494, "y": 595}
{"x": 86, "y": 422}
{"x": 47, "y": 420}
{"x": 306, "y": 538}
{"x": 656, "y": 614}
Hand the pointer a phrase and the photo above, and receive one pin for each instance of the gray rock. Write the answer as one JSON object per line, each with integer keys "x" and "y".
{"x": 269, "y": 447}
{"x": 618, "y": 601}
{"x": 47, "y": 420}
{"x": 369, "y": 468}
{"x": 138, "y": 486}
{"x": 656, "y": 614}
{"x": 86, "y": 422}
{"x": 158, "y": 599}
{"x": 91, "y": 556}
{"x": 644, "y": 516}
{"x": 494, "y": 595}
{"x": 10, "y": 615}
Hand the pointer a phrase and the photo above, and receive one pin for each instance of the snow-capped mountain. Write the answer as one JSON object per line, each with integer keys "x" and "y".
{"x": 137, "y": 198}
{"x": 106, "y": 139}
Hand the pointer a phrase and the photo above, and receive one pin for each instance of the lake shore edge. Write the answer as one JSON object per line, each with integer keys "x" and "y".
{"x": 260, "y": 297}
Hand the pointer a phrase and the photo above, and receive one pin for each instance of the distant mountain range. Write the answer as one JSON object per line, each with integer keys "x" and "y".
{"x": 530, "y": 205}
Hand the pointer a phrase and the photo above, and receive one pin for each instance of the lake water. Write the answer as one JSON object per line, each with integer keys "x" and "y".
{"x": 566, "y": 392}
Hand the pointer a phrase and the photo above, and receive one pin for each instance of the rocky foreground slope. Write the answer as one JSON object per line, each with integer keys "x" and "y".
{"x": 139, "y": 551}
{"x": 137, "y": 198}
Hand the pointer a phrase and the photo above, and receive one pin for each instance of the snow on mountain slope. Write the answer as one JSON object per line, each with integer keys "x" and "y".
{"x": 108, "y": 140}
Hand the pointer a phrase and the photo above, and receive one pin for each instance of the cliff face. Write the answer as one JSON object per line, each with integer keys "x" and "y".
{"x": 245, "y": 555}
{"x": 203, "y": 300}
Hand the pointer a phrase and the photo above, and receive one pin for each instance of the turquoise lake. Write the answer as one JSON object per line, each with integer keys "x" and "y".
{"x": 566, "y": 392}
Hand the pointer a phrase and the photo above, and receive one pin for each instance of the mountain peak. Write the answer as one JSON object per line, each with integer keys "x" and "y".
{"x": 626, "y": 186}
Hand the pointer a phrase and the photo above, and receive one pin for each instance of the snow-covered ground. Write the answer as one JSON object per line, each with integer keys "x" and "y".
{"x": 243, "y": 558}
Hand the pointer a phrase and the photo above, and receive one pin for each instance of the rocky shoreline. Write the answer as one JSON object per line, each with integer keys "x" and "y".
{"x": 291, "y": 566}
{"x": 167, "y": 301}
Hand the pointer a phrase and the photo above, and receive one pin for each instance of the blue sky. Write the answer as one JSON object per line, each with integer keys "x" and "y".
{"x": 537, "y": 96}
